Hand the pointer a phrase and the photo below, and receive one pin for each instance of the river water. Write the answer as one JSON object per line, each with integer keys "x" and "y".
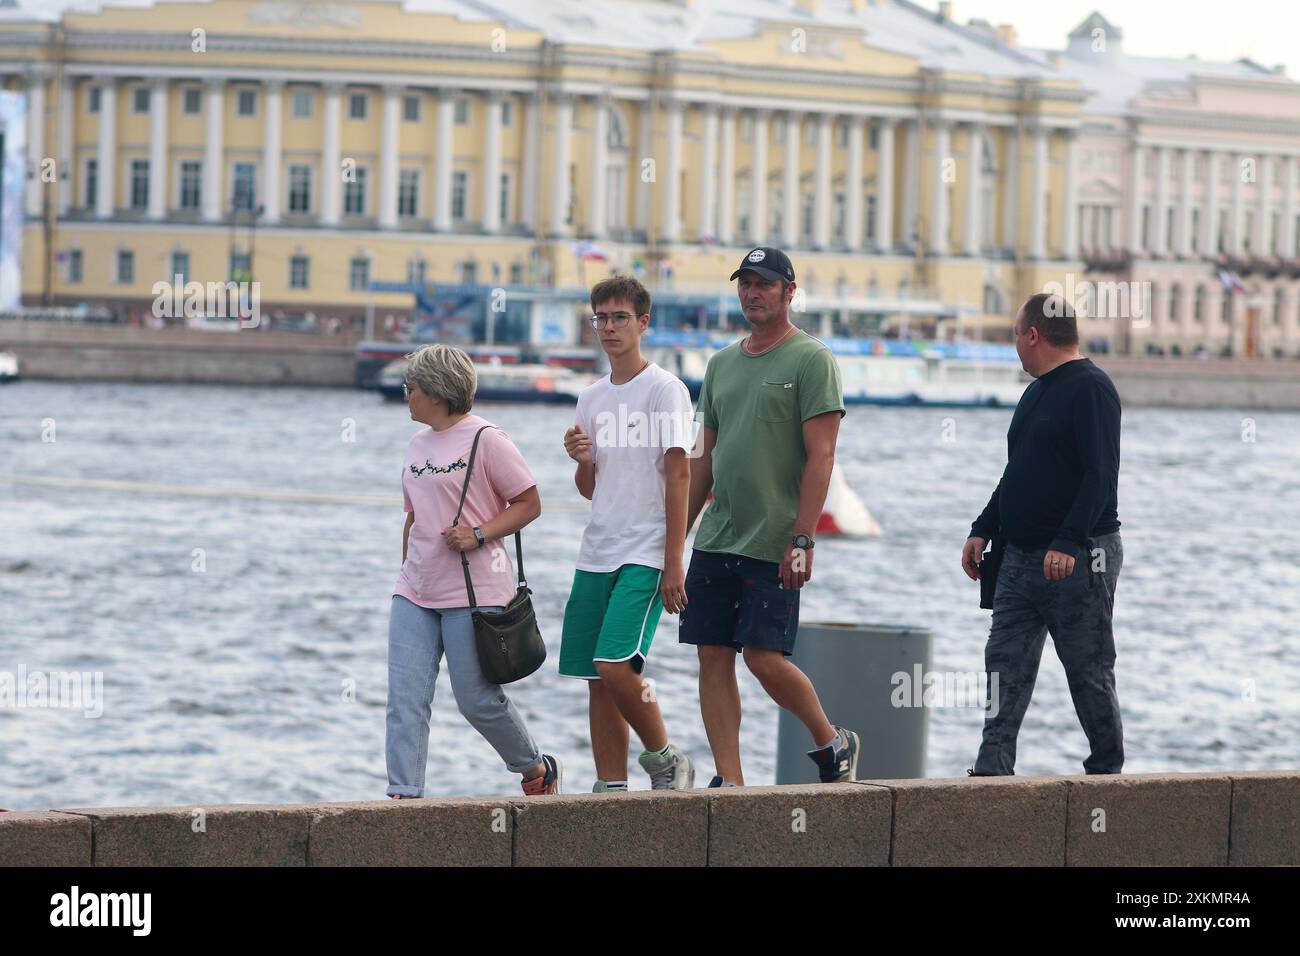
{"x": 242, "y": 640}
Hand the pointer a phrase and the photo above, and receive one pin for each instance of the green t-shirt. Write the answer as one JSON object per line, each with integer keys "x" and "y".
{"x": 758, "y": 404}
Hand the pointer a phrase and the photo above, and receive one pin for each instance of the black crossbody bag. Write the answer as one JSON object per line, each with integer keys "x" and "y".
{"x": 509, "y": 644}
{"x": 991, "y": 560}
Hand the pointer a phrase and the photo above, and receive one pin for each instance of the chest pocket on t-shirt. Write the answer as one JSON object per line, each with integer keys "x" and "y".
{"x": 775, "y": 401}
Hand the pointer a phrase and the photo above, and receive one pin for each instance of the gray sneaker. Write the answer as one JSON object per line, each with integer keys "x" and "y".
{"x": 671, "y": 772}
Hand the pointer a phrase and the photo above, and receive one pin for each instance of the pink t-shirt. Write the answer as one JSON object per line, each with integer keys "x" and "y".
{"x": 433, "y": 473}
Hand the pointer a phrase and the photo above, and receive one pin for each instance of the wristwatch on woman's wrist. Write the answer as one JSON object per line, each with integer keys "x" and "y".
{"x": 478, "y": 533}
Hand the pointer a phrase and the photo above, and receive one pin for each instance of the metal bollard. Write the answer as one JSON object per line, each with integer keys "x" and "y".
{"x": 851, "y": 666}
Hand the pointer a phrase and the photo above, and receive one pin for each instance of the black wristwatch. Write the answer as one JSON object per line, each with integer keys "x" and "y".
{"x": 478, "y": 533}
{"x": 802, "y": 541}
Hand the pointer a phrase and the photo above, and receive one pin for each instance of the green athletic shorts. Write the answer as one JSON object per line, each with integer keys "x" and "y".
{"x": 610, "y": 616}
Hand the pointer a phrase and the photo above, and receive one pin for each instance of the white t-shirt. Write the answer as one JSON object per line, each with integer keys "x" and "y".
{"x": 632, "y": 426}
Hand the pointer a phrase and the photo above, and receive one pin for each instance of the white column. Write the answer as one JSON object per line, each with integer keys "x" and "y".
{"x": 1070, "y": 214}
{"x": 852, "y": 238}
{"x": 214, "y": 149}
{"x": 1210, "y": 206}
{"x": 939, "y": 205}
{"x": 1160, "y": 211}
{"x": 67, "y": 175}
{"x": 822, "y": 183}
{"x": 708, "y": 175}
{"x": 758, "y": 180}
{"x": 1038, "y": 199}
{"x": 272, "y": 152}
{"x": 331, "y": 174}
{"x": 106, "y": 189}
{"x": 560, "y": 165}
{"x": 1286, "y": 241}
{"x": 790, "y": 231}
{"x": 597, "y": 211}
{"x": 645, "y": 150}
{"x": 491, "y": 185}
{"x": 1264, "y": 206}
{"x": 157, "y": 149}
{"x": 35, "y": 145}
{"x": 1011, "y": 191}
{"x": 388, "y": 156}
{"x": 1238, "y": 201}
{"x": 1185, "y": 205}
{"x": 974, "y": 185}
{"x": 884, "y": 237}
{"x": 672, "y": 231}
{"x": 727, "y": 173}
{"x": 1135, "y": 201}
{"x": 529, "y": 170}
{"x": 911, "y": 172}
{"x": 446, "y": 111}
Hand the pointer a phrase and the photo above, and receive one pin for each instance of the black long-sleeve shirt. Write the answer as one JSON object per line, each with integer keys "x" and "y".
{"x": 1059, "y": 486}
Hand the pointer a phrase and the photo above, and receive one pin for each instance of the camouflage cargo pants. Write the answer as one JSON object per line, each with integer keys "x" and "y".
{"x": 1077, "y": 613}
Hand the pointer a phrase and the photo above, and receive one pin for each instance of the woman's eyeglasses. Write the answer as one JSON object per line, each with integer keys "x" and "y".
{"x": 618, "y": 319}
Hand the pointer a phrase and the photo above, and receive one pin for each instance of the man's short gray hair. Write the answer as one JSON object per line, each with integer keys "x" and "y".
{"x": 446, "y": 372}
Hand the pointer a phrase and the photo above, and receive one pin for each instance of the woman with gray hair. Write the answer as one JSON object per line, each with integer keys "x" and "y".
{"x": 430, "y": 609}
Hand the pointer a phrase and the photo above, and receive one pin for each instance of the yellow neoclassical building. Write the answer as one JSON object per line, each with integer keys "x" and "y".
{"x": 901, "y": 158}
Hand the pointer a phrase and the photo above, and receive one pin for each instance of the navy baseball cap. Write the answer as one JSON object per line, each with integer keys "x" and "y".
{"x": 768, "y": 262}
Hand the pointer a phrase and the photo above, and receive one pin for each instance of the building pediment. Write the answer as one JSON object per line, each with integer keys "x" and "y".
{"x": 1099, "y": 189}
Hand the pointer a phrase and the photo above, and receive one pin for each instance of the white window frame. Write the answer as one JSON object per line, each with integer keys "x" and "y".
{"x": 464, "y": 194}
{"x": 297, "y": 97}
{"x": 289, "y": 189}
{"x": 362, "y": 183}
{"x": 117, "y": 266}
{"x": 306, "y": 272}
{"x": 231, "y": 178}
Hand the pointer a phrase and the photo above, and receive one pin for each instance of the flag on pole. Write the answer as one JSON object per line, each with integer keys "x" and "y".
{"x": 1231, "y": 281}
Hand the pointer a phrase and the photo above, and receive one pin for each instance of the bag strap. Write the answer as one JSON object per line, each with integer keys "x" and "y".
{"x": 464, "y": 560}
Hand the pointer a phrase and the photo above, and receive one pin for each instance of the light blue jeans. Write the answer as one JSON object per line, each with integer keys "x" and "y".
{"x": 417, "y": 638}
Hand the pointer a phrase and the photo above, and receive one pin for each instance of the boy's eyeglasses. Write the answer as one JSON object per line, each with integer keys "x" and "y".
{"x": 618, "y": 319}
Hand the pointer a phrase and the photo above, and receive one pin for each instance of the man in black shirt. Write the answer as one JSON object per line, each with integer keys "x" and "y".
{"x": 1054, "y": 511}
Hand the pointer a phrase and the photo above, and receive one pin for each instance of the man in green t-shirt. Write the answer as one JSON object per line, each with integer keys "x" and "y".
{"x": 770, "y": 412}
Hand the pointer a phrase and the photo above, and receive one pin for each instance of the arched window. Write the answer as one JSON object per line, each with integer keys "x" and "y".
{"x": 1198, "y": 313}
{"x": 617, "y": 137}
{"x": 1279, "y": 303}
{"x": 992, "y": 300}
{"x": 1175, "y": 302}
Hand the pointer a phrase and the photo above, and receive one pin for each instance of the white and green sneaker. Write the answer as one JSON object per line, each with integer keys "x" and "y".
{"x": 669, "y": 770}
{"x": 604, "y": 786}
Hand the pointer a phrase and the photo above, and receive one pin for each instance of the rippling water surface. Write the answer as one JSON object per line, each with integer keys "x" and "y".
{"x": 261, "y": 677}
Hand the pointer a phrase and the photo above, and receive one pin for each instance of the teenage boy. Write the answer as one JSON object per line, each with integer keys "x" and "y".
{"x": 770, "y": 410}
{"x": 630, "y": 440}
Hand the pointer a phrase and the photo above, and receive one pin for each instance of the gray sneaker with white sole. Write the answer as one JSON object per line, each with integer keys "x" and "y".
{"x": 671, "y": 771}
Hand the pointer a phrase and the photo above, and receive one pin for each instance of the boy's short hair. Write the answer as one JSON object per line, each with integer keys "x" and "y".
{"x": 627, "y": 288}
